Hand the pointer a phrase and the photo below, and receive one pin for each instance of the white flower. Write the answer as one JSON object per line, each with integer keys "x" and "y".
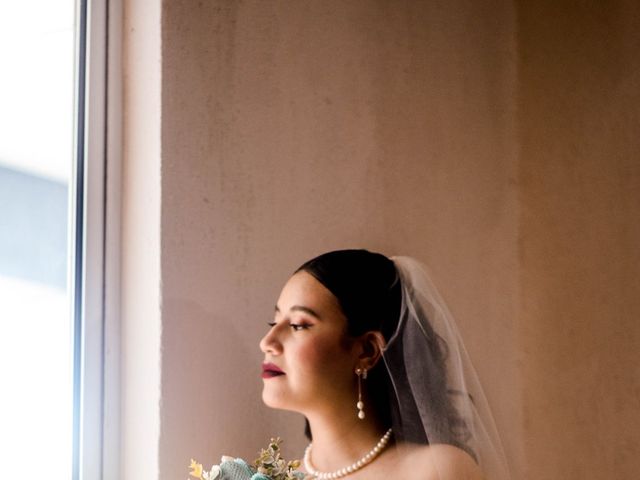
{"x": 214, "y": 473}
{"x": 226, "y": 458}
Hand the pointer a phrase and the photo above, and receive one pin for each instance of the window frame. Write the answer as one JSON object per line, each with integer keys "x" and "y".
{"x": 95, "y": 240}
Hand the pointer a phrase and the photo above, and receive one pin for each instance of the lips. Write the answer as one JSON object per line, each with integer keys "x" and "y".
{"x": 269, "y": 370}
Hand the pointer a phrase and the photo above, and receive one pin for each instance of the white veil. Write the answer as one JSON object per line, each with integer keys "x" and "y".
{"x": 438, "y": 395}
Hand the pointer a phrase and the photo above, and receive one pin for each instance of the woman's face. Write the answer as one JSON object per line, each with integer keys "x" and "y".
{"x": 308, "y": 343}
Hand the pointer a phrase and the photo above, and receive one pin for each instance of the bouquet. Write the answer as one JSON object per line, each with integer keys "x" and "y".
{"x": 268, "y": 466}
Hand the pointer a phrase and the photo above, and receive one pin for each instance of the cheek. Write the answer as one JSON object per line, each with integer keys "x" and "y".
{"x": 323, "y": 359}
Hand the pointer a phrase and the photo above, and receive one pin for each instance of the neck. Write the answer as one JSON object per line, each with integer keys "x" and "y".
{"x": 340, "y": 438}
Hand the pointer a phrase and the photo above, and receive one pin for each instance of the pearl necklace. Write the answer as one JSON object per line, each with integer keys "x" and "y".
{"x": 367, "y": 459}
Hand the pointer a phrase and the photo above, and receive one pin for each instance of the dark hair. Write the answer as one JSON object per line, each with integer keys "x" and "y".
{"x": 369, "y": 292}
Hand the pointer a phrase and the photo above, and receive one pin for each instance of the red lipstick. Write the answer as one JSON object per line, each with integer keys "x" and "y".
{"x": 269, "y": 370}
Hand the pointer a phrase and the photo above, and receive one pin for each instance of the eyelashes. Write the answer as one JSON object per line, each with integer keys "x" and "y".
{"x": 299, "y": 326}
{"x": 296, "y": 327}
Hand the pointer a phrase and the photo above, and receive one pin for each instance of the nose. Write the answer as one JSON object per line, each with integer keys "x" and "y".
{"x": 270, "y": 342}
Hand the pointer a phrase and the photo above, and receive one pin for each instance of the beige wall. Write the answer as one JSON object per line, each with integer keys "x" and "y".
{"x": 579, "y": 255}
{"x": 446, "y": 131}
{"x": 141, "y": 322}
{"x": 298, "y": 127}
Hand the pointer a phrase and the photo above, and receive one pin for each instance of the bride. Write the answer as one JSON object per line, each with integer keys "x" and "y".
{"x": 363, "y": 346}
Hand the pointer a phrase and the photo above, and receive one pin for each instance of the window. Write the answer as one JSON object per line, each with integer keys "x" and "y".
{"x": 36, "y": 343}
{"x": 57, "y": 388}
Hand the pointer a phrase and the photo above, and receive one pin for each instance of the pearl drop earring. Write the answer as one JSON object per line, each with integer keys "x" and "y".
{"x": 362, "y": 375}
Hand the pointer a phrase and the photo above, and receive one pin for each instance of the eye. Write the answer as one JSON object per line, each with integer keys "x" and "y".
{"x": 271, "y": 324}
{"x": 299, "y": 326}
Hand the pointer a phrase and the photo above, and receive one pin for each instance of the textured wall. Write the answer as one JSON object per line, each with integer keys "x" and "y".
{"x": 291, "y": 128}
{"x": 579, "y": 191}
{"x": 496, "y": 141}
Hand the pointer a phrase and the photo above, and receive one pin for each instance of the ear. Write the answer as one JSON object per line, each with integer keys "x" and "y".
{"x": 373, "y": 344}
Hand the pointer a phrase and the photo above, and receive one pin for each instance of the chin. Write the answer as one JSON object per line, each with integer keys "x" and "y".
{"x": 270, "y": 399}
{"x": 277, "y": 400}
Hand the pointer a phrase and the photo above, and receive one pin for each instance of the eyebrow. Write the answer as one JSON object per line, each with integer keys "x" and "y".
{"x": 302, "y": 308}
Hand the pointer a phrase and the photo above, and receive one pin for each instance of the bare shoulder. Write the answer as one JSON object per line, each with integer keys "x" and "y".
{"x": 441, "y": 462}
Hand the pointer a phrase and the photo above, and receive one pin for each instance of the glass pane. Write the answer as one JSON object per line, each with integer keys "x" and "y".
{"x": 36, "y": 144}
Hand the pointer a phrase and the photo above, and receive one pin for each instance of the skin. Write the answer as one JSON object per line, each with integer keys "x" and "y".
{"x": 302, "y": 342}
{"x": 308, "y": 341}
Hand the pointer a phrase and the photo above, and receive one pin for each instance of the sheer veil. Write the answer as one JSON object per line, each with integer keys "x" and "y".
{"x": 438, "y": 396}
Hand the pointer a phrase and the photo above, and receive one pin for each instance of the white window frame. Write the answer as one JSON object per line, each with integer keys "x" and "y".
{"x": 95, "y": 243}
